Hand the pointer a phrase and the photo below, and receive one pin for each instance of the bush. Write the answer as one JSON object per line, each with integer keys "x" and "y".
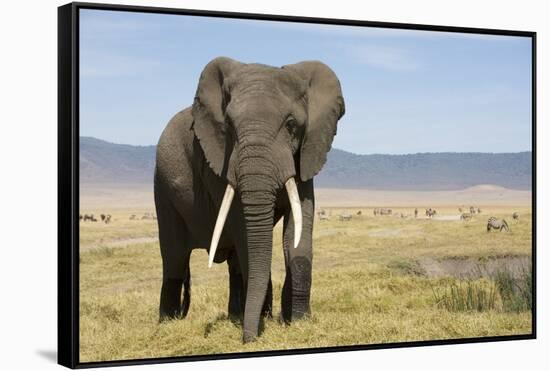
{"x": 505, "y": 291}
{"x": 516, "y": 292}
{"x": 468, "y": 296}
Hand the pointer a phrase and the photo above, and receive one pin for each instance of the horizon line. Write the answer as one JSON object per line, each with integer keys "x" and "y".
{"x": 339, "y": 149}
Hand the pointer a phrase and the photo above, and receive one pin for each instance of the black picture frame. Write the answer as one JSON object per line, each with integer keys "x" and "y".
{"x": 68, "y": 180}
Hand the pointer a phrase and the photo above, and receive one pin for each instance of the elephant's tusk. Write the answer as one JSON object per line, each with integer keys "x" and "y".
{"x": 222, "y": 215}
{"x": 294, "y": 199}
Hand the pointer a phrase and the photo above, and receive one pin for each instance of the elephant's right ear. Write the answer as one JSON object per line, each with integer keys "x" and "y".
{"x": 208, "y": 111}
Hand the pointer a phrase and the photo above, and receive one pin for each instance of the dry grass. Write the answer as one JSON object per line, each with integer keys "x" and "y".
{"x": 368, "y": 287}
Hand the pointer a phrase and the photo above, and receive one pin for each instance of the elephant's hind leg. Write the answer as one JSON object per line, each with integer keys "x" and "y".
{"x": 175, "y": 254}
{"x": 237, "y": 293}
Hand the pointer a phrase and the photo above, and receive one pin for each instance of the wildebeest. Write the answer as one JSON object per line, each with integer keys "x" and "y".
{"x": 102, "y": 216}
{"x": 416, "y": 213}
{"x": 460, "y": 210}
{"x": 478, "y": 210}
{"x": 345, "y": 217}
{"x": 80, "y": 217}
{"x": 430, "y": 212}
{"x": 148, "y": 216}
{"x": 359, "y": 212}
{"x": 89, "y": 217}
{"x": 515, "y": 215}
{"x": 376, "y": 211}
{"x": 133, "y": 217}
{"x": 385, "y": 211}
{"x": 466, "y": 216}
{"x": 495, "y": 223}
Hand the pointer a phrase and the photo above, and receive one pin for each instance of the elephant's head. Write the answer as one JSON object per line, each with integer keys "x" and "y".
{"x": 260, "y": 127}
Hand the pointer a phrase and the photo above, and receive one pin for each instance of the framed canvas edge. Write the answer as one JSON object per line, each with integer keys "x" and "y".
{"x": 68, "y": 233}
{"x": 68, "y": 181}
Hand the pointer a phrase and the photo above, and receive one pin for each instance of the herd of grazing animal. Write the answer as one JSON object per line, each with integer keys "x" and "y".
{"x": 87, "y": 217}
{"x": 145, "y": 216}
{"x": 493, "y": 223}
{"x": 473, "y": 210}
{"x": 107, "y": 218}
{"x": 382, "y": 211}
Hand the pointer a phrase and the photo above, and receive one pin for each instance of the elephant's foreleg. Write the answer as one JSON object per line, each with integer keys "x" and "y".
{"x": 175, "y": 261}
{"x": 297, "y": 286}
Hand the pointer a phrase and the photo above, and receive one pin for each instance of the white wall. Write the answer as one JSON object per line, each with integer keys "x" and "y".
{"x": 28, "y": 161}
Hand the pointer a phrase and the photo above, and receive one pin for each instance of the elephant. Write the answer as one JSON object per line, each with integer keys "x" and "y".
{"x": 259, "y": 133}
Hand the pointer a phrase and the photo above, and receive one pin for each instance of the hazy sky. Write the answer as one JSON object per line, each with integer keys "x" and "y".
{"x": 405, "y": 91}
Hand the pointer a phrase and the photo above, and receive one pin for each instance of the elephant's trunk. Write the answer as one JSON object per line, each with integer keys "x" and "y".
{"x": 257, "y": 186}
{"x": 259, "y": 234}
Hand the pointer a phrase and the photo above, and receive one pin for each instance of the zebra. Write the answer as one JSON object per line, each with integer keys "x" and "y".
{"x": 478, "y": 210}
{"x": 472, "y": 210}
{"x": 460, "y": 210}
{"x": 323, "y": 217}
{"x": 345, "y": 217}
{"x": 376, "y": 211}
{"x": 107, "y": 218}
{"x": 430, "y": 212}
{"x": 515, "y": 215}
{"x": 500, "y": 224}
{"x": 466, "y": 216}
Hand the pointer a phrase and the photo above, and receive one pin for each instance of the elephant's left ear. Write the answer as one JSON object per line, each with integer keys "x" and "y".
{"x": 325, "y": 108}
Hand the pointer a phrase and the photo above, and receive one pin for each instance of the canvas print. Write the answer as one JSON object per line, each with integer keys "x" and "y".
{"x": 258, "y": 185}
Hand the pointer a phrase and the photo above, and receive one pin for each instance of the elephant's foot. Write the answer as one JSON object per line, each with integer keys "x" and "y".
{"x": 170, "y": 300}
{"x": 296, "y": 291}
{"x": 249, "y": 337}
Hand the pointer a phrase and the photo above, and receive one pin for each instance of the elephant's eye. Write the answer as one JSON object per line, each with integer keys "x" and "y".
{"x": 290, "y": 124}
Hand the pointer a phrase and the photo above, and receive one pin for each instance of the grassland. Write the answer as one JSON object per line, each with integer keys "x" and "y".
{"x": 374, "y": 280}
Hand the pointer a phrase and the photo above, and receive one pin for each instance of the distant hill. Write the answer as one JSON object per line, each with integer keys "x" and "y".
{"x": 426, "y": 171}
{"x": 104, "y": 162}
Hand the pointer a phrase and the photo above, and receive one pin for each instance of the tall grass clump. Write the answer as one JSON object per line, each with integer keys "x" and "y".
{"x": 516, "y": 292}
{"x": 467, "y": 296}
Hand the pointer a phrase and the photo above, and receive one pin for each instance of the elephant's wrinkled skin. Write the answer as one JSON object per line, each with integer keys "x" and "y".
{"x": 252, "y": 127}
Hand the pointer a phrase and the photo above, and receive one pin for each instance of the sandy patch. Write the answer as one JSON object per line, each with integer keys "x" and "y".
{"x": 479, "y": 195}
